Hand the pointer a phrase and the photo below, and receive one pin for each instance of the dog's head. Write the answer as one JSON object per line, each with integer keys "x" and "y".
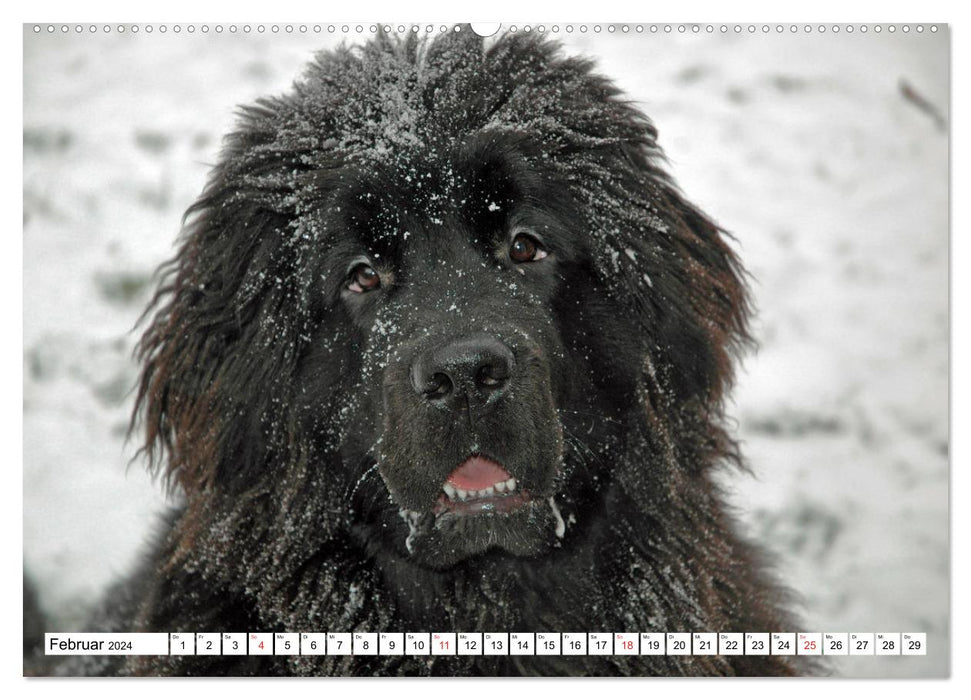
{"x": 434, "y": 291}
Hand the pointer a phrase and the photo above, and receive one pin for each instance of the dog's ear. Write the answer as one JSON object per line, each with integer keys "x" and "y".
{"x": 222, "y": 328}
{"x": 703, "y": 331}
{"x": 675, "y": 269}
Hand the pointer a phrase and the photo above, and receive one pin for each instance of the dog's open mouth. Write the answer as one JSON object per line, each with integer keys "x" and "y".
{"x": 480, "y": 485}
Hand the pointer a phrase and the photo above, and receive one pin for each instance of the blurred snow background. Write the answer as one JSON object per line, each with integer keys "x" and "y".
{"x": 810, "y": 148}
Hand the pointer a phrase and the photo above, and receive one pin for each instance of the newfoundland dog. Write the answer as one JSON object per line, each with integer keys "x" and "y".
{"x": 444, "y": 348}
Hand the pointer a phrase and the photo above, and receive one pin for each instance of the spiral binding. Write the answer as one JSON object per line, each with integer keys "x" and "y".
{"x": 367, "y": 28}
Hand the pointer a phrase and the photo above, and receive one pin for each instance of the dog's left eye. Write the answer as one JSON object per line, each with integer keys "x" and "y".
{"x": 524, "y": 248}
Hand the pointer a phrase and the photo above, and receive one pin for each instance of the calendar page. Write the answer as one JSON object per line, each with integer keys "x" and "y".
{"x": 543, "y": 349}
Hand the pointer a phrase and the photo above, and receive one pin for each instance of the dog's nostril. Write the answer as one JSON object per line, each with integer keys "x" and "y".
{"x": 491, "y": 377}
{"x": 439, "y": 386}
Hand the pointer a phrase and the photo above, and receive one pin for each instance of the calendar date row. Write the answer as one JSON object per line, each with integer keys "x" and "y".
{"x": 491, "y": 643}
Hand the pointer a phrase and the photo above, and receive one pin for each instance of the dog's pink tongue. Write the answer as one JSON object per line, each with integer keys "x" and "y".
{"x": 477, "y": 473}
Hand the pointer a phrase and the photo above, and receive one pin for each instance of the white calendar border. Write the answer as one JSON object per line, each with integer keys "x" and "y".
{"x": 113, "y": 10}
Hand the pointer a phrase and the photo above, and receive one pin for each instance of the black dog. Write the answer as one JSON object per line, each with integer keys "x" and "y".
{"x": 445, "y": 349}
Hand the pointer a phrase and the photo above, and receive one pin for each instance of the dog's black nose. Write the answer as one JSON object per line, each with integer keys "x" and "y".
{"x": 475, "y": 368}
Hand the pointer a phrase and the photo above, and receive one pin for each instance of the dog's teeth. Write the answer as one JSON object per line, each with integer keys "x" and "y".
{"x": 456, "y": 494}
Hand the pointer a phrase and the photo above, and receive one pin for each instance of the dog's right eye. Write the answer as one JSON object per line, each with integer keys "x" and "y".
{"x": 525, "y": 248}
{"x": 363, "y": 278}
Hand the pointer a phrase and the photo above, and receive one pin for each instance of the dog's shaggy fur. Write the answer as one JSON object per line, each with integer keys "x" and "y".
{"x": 428, "y": 255}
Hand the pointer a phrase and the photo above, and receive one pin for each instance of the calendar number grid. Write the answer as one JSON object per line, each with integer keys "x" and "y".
{"x": 489, "y": 644}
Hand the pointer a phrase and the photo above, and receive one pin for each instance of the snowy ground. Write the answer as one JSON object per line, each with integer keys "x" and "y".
{"x": 804, "y": 146}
